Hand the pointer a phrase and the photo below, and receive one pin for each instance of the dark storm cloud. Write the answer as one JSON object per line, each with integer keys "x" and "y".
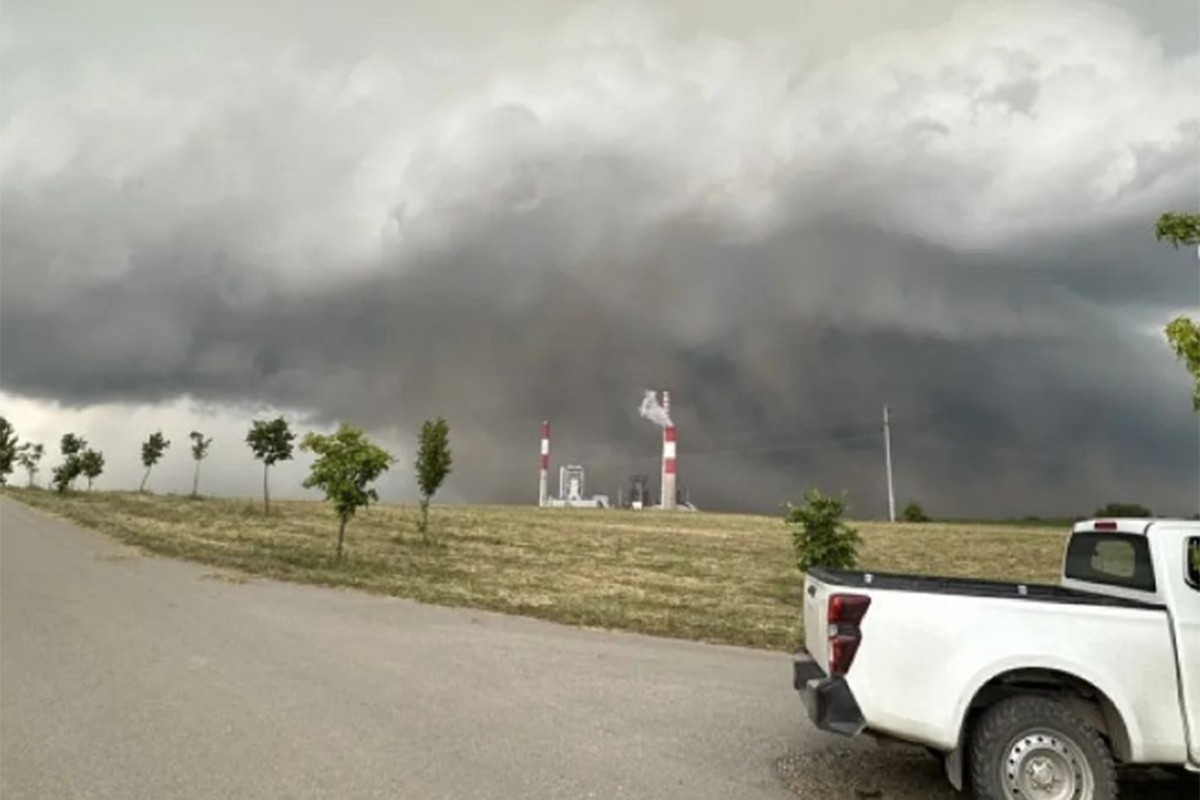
{"x": 551, "y": 258}
{"x": 770, "y": 403}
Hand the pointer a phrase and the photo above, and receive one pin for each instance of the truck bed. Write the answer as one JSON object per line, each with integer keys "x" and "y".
{"x": 1037, "y": 592}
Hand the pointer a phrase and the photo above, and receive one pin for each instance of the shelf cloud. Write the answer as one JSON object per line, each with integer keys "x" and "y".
{"x": 953, "y": 217}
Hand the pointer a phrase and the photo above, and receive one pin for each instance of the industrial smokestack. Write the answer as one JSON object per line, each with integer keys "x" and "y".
{"x": 544, "y": 472}
{"x": 668, "y": 457}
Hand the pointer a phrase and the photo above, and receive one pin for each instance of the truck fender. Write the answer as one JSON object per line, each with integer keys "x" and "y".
{"x": 1120, "y": 705}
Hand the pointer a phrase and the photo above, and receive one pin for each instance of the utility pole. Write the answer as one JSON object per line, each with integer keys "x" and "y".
{"x": 887, "y": 457}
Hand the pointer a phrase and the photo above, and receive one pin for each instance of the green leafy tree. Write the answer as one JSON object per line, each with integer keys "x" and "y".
{"x": 64, "y": 474}
{"x": 819, "y": 536}
{"x": 29, "y": 457}
{"x": 72, "y": 445}
{"x": 914, "y": 513}
{"x": 200, "y": 445}
{"x": 1178, "y": 229}
{"x": 433, "y": 464}
{"x": 271, "y": 440}
{"x": 346, "y": 464}
{"x": 1135, "y": 510}
{"x": 152, "y": 452}
{"x": 8, "y": 449}
{"x": 1184, "y": 336}
{"x": 1182, "y": 332}
{"x": 91, "y": 465}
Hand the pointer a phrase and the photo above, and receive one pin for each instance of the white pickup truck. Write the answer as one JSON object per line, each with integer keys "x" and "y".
{"x": 1029, "y": 692}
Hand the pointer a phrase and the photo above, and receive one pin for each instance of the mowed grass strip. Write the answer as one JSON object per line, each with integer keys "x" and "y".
{"x": 713, "y": 577}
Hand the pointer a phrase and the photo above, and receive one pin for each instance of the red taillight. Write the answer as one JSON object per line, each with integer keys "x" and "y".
{"x": 848, "y": 608}
{"x": 845, "y": 614}
{"x": 842, "y": 650}
{"x": 1106, "y": 525}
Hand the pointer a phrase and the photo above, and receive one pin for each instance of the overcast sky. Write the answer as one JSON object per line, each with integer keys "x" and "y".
{"x": 787, "y": 213}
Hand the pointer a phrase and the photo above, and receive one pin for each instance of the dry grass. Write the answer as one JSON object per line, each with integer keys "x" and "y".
{"x": 713, "y": 577}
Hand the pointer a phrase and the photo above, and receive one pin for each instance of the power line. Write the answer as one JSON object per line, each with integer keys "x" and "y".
{"x": 703, "y": 453}
{"x": 1048, "y": 455}
{"x": 746, "y": 437}
{"x": 786, "y": 448}
{"x": 771, "y": 444}
{"x": 752, "y": 435}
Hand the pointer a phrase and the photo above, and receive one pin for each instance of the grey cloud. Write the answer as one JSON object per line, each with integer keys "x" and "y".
{"x": 545, "y": 267}
{"x": 1020, "y": 95}
{"x": 1002, "y": 410}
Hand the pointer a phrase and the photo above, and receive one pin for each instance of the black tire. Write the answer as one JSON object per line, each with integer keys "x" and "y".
{"x": 1056, "y": 742}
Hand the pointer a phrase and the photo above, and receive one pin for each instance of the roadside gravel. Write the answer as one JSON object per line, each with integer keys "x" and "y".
{"x": 904, "y": 773}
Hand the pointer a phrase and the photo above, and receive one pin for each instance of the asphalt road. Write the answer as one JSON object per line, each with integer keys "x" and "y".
{"x": 127, "y": 676}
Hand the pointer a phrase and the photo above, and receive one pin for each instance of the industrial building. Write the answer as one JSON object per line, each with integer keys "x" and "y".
{"x": 571, "y": 486}
{"x": 571, "y": 491}
{"x": 570, "y": 482}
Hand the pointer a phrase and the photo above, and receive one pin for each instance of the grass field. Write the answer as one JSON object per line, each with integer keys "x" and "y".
{"x": 712, "y": 577}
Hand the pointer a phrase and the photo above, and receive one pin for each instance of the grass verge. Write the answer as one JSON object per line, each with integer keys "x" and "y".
{"x": 711, "y": 577}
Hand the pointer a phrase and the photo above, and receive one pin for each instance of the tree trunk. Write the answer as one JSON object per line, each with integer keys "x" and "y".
{"x": 266, "y": 494}
{"x": 145, "y": 478}
{"x": 196, "y": 481}
{"x": 89, "y": 483}
{"x": 424, "y": 524}
{"x": 341, "y": 536}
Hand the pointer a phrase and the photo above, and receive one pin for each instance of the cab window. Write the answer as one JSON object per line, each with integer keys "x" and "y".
{"x": 1192, "y": 563}
{"x": 1111, "y": 559}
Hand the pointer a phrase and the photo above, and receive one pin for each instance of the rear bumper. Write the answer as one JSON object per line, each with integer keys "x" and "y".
{"x": 830, "y": 702}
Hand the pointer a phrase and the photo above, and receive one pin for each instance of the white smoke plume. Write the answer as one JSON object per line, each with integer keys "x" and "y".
{"x": 652, "y": 410}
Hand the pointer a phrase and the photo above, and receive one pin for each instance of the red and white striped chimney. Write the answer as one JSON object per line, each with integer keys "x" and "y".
{"x": 668, "y": 457}
{"x": 544, "y": 473}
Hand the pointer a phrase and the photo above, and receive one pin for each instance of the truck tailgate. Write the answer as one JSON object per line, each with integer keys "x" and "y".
{"x": 816, "y": 620}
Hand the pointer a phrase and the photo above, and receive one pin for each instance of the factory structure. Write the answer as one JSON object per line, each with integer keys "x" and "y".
{"x": 571, "y": 483}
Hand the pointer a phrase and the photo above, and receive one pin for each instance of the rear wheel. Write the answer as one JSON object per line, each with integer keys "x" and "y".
{"x": 1032, "y": 747}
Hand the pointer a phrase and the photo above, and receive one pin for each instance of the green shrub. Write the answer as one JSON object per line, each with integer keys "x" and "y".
{"x": 1123, "y": 510}
{"x": 914, "y": 513}
{"x": 819, "y": 536}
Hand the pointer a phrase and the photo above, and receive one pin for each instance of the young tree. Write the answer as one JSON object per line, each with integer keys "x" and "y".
{"x": 29, "y": 457}
{"x": 64, "y": 474}
{"x": 199, "y": 452}
{"x": 72, "y": 445}
{"x": 8, "y": 449}
{"x": 914, "y": 513}
{"x": 271, "y": 441}
{"x": 433, "y": 464}
{"x": 1182, "y": 332}
{"x": 152, "y": 451}
{"x": 819, "y": 537}
{"x": 91, "y": 464}
{"x": 347, "y": 462}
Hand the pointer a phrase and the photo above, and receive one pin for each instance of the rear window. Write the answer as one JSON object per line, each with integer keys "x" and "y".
{"x": 1193, "y": 562}
{"x": 1113, "y": 559}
